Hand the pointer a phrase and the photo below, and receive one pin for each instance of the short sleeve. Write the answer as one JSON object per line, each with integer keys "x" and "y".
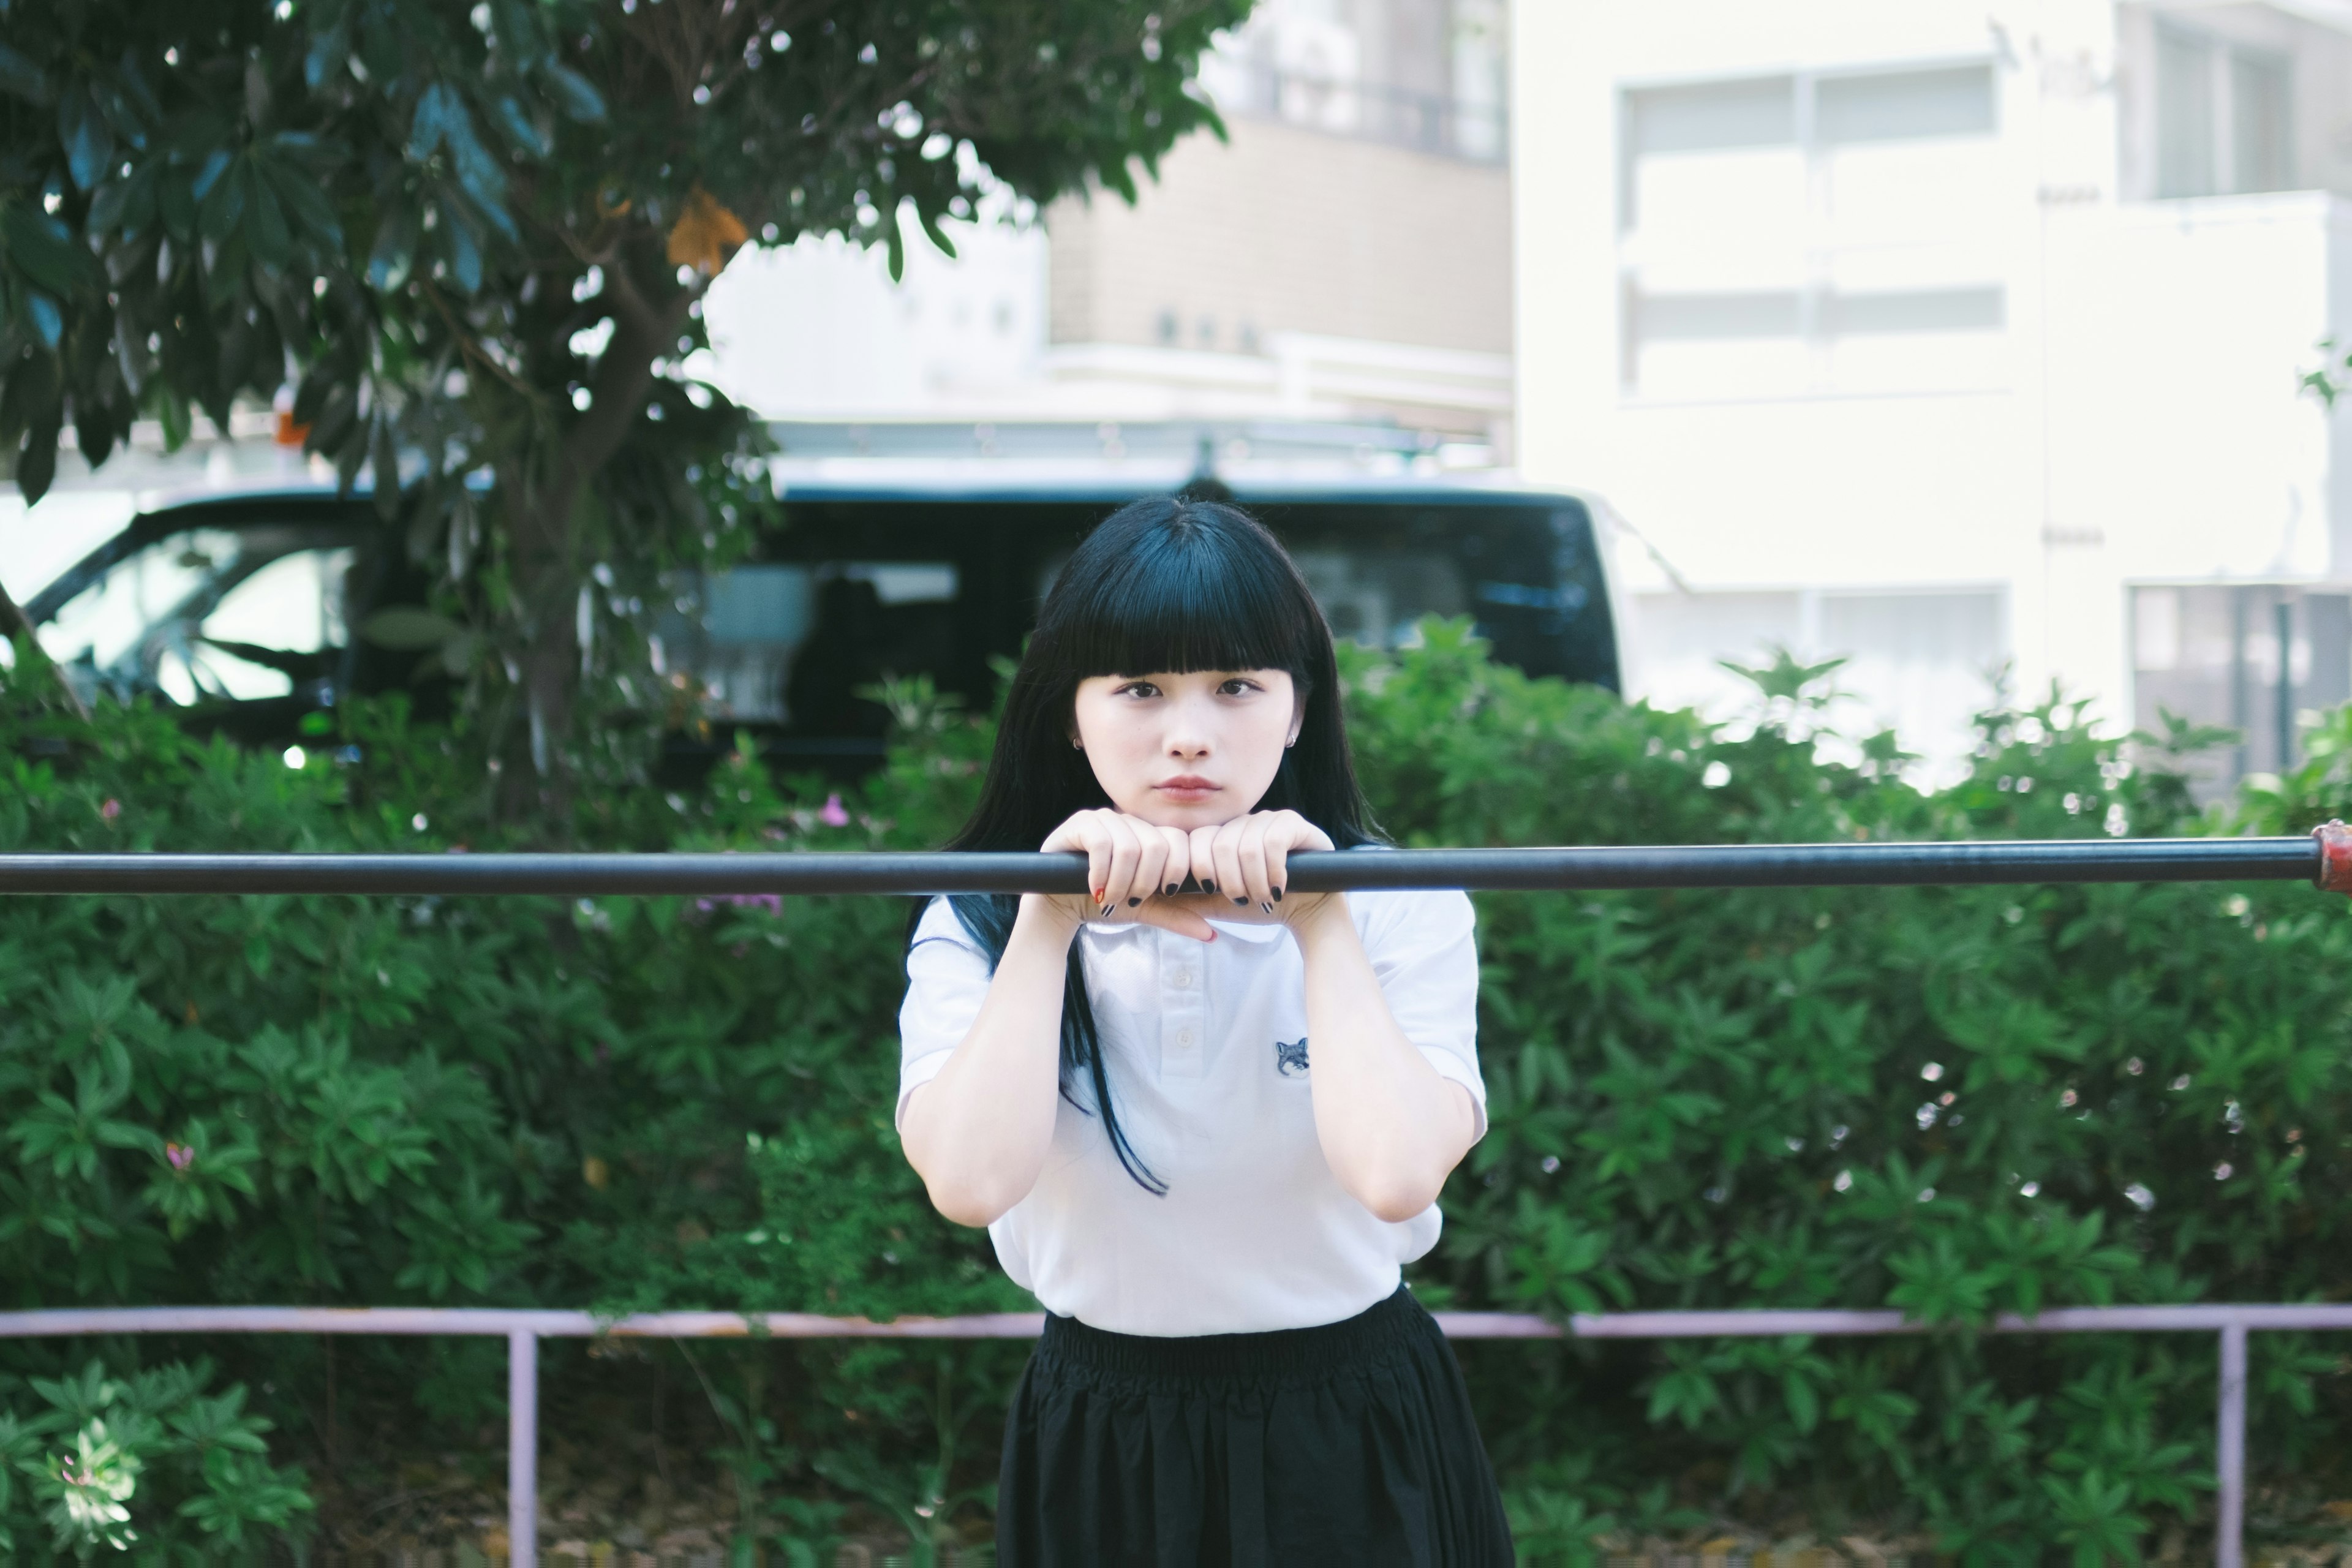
{"x": 1425, "y": 950}
{"x": 946, "y": 981}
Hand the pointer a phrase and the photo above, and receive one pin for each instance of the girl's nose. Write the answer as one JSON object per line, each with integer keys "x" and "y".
{"x": 1186, "y": 739}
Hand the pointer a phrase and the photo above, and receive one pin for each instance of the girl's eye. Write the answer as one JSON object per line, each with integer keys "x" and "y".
{"x": 1140, "y": 688}
{"x": 1237, "y": 686}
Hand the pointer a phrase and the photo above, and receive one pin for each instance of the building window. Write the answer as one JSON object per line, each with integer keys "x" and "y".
{"x": 2253, "y": 659}
{"x": 2222, "y": 123}
{"x": 1921, "y": 662}
{"x": 1811, "y": 232}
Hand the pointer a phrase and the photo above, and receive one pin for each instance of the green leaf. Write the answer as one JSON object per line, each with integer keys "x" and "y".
{"x": 938, "y": 235}
{"x": 519, "y": 130}
{"x": 215, "y": 164}
{"x": 20, "y": 77}
{"x": 132, "y": 83}
{"x": 435, "y": 106}
{"x": 462, "y": 249}
{"x": 1804, "y": 1403}
{"x": 329, "y": 48}
{"x": 307, "y": 204}
{"x": 409, "y": 628}
{"x": 395, "y": 243}
{"x": 43, "y": 249}
{"x": 272, "y": 241}
{"x": 222, "y": 210}
{"x": 48, "y": 323}
{"x": 575, "y": 94}
{"x": 36, "y": 461}
{"x": 83, "y": 132}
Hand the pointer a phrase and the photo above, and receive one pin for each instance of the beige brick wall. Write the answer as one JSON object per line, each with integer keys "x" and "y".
{"x": 1289, "y": 229}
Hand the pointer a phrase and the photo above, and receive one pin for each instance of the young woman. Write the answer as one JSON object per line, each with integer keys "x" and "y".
{"x": 1204, "y": 1119}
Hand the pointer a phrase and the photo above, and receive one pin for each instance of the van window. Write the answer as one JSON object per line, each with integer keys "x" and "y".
{"x": 209, "y": 614}
{"x": 1374, "y": 596}
{"x": 790, "y": 645}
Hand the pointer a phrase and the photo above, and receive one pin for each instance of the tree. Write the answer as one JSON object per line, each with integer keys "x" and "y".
{"x": 475, "y": 237}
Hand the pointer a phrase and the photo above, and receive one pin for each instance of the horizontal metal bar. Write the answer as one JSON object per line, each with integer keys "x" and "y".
{"x": 501, "y": 1322}
{"x": 1529, "y": 870}
{"x": 1768, "y": 1323}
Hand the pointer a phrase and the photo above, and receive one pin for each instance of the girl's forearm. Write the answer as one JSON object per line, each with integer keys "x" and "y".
{"x": 1390, "y": 1125}
{"x": 978, "y": 1133}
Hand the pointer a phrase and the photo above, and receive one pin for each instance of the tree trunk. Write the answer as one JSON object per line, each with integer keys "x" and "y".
{"x": 647, "y": 311}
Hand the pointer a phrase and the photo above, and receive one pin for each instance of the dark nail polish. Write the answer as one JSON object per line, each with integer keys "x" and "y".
{"x": 1172, "y": 887}
{"x": 1243, "y": 903}
{"x": 1106, "y": 911}
{"x": 1208, "y": 886}
{"x": 1277, "y": 895}
{"x": 1132, "y": 902}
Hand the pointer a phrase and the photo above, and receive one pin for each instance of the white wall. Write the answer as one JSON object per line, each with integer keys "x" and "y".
{"x": 817, "y": 329}
{"x": 2129, "y": 413}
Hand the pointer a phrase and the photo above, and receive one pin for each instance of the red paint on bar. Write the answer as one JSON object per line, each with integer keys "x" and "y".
{"x": 2334, "y": 856}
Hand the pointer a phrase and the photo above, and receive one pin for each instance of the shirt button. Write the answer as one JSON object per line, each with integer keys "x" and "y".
{"x": 1184, "y": 978}
{"x": 1183, "y": 1037}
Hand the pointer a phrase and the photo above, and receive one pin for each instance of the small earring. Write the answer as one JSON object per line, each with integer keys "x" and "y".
{"x": 1076, "y": 744}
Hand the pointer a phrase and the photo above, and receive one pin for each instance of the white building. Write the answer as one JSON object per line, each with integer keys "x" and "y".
{"x": 1341, "y": 258}
{"x": 1951, "y": 337}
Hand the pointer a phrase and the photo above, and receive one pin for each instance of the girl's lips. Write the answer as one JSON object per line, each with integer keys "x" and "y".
{"x": 1186, "y": 786}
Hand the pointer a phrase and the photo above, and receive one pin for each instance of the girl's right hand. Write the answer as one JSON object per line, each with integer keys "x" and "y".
{"x": 1133, "y": 868}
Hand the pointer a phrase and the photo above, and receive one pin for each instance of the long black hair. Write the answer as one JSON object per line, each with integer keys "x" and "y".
{"x": 1163, "y": 585}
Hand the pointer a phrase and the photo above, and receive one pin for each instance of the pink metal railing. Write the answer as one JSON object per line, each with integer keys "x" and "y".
{"x": 524, "y": 1329}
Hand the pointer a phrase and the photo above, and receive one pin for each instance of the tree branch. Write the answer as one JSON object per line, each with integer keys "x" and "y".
{"x": 12, "y": 616}
{"x": 471, "y": 347}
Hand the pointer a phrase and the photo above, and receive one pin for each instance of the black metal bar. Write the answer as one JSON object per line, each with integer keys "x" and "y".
{"x": 1527, "y": 870}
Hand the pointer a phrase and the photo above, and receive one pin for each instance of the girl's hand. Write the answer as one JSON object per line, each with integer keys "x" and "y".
{"x": 1245, "y": 864}
{"x": 1133, "y": 869}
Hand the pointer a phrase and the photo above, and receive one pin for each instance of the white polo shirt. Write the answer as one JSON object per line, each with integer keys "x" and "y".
{"x": 1205, "y": 1046}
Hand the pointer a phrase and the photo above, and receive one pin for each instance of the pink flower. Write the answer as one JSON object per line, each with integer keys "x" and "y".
{"x": 831, "y": 813}
{"x": 179, "y": 1155}
{"x": 772, "y": 903}
{"x": 111, "y": 809}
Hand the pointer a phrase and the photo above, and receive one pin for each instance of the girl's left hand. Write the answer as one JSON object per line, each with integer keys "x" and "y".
{"x": 1244, "y": 865}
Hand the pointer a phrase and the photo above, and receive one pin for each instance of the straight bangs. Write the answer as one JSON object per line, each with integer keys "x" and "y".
{"x": 1201, "y": 593}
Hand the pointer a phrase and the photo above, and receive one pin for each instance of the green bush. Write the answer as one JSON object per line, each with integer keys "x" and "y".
{"x": 1955, "y": 1101}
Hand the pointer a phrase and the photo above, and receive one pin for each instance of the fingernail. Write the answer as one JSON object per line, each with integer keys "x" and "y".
{"x": 1132, "y": 902}
{"x": 1277, "y": 895}
{"x": 1099, "y": 895}
{"x": 1243, "y": 903}
{"x": 1268, "y": 907}
{"x": 1106, "y": 911}
{"x": 1208, "y": 886}
{"x": 1172, "y": 887}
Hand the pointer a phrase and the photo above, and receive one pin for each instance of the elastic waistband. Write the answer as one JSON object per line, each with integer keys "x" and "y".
{"x": 1293, "y": 1353}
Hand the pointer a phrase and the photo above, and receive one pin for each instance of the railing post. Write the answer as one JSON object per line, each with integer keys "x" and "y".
{"x": 522, "y": 1449}
{"x": 2229, "y": 1452}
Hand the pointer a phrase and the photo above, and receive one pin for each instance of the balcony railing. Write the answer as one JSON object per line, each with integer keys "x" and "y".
{"x": 1396, "y": 116}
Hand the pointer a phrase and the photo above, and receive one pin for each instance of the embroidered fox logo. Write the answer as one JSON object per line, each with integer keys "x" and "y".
{"x": 1290, "y": 1056}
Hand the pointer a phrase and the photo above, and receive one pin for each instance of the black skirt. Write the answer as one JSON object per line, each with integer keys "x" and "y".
{"x": 1350, "y": 1443}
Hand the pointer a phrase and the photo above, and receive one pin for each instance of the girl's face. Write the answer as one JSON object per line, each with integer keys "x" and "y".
{"x": 1187, "y": 751}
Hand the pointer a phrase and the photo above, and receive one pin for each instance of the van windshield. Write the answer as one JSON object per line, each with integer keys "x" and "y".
{"x": 856, "y": 591}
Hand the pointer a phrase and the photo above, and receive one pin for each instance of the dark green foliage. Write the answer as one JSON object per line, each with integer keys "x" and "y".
{"x": 1719, "y": 1100}
{"x": 474, "y": 239}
